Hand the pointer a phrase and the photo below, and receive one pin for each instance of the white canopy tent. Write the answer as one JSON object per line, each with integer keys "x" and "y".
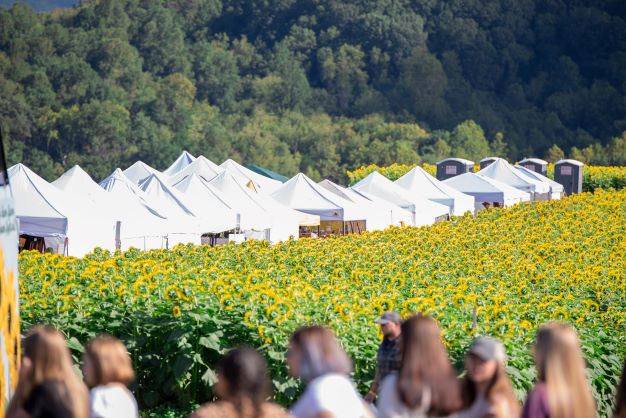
{"x": 504, "y": 172}
{"x": 487, "y": 190}
{"x": 252, "y": 216}
{"x": 69, "y": 224}
{"x": 141, "y": 225}
{"x": 205, "y": 201}
{"x": 168, "y": 202}
{"x": 244, "y": 176}
{"x": 76, "y": 180}
{"x": 139, "y": 171}
{"x": 419, "y": 183}
{"x": 380, "y": 213}
{"x": 202, "y": 167}
{"x": 183, "y": 160}
{"x": 303, "y": 194}
{"x": 556, "y": 189}
{"x": 425, "y": 212}
{"x": 284, "y": 222}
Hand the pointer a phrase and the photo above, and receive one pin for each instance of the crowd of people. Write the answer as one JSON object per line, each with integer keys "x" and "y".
{"x": 414, "y": 378}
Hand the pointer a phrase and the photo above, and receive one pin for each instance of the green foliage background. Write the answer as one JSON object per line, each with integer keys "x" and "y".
{"x": 314, "y": 86}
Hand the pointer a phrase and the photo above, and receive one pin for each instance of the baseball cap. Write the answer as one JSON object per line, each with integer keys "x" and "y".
{"x": 388, "y": 317}
{"x": 488, "y": 348}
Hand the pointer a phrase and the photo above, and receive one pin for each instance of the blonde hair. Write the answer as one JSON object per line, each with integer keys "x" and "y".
{"x": 111, "y": 362}
{"x": 51, "y": 360}
{"x": 561, "y": 366}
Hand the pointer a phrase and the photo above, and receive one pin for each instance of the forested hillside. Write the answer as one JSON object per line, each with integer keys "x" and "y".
{"x": 312, "y": 85}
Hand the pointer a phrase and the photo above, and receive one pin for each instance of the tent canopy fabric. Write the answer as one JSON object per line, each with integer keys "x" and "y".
{"x": 47, "y": 211}
{"x": 139, "y": 171}
{"x": 201, "y": 166}
{"x": 380, "y": 213}
{"x": 244, "y": 175}
{"x": 205, "y": 201}
{"x": 164, "y": 199}
{"x": 425, "y": 212}
{"x": 76, "y": 179}
{"x": 77, "y": 182}
{"x": 419, "y": 183}
{"x": 485, "y": 189}
{"x": 303, "y": 194}
{"x": 556, "y": 189}
{"x": 252, "y": 215}
{"x": 38, "y": 206}
{"x": 268, "y": 173}
{"x": 142, "y": 225}
{"x": 504, "y": 172}
{"x": 183, "y": 160}
{"x": 283, "y": 221}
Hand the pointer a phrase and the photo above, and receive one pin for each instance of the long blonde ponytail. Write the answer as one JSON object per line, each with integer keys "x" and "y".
{"x": 562, "y": 367}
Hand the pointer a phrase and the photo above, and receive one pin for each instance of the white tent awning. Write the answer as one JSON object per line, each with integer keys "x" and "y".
{"x": 419, "y": 183}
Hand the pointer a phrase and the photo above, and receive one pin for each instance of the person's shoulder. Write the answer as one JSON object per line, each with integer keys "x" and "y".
{"x": 387, "y": 392}
{"x": 116, "y": 392}
{"x": 332, "y": 381}
{"x": 219, "y": 409}
{"x": 539, "y": 390}
{"x": 272, "y": 410}
{"x": 389, "y": 381}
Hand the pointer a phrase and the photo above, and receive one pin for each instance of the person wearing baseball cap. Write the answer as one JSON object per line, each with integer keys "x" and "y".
{"x": 389, "y": 356}
{"x": 486, "y": 388}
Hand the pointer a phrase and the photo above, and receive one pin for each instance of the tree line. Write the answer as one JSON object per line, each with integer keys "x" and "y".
{"x": 314, "y": 86}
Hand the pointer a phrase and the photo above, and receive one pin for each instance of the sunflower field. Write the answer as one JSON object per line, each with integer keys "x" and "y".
{"x": 502, "y": 272}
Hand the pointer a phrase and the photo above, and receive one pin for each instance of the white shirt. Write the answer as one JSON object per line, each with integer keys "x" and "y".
{"x": 332, "y": 393}
{"x": 112, "y": 401}
{"x": 479, "y": 408}
{"x": 390, "y": 405}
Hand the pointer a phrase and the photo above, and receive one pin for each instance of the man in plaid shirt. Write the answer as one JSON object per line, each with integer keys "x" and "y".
{"x": 389, "y": 357}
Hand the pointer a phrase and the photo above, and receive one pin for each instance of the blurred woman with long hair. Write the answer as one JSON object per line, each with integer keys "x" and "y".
{"x": 426, "y": 384}
{"x": 108, "y": 370}
{"x": 486, "y": 389}
{"x": 562, "y": 390}
{"x": 316, "y": 357}
{"x": 48, "y": 385}
{"x": 243, "y": 387}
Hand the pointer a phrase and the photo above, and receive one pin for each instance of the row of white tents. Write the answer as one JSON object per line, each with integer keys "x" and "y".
{"x": 145, "y": 208}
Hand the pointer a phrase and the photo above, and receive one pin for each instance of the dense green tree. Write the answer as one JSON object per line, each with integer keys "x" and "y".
{"x": 216, "y": 74}
{"x": 554, "y": 154}
{"x": 421, "y": 86}
{"x": 468, "y": 141}
{"x": 293, "y": 90}
{"x": 324, "y": 85}
{"x": 343, "y": 74}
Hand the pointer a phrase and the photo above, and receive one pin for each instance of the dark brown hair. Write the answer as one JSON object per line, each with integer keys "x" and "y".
{"x": 426, "y": 365}
{"x": 247, "y": 380}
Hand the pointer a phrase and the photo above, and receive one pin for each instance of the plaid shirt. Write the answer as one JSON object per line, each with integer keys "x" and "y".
{"x": 388, "y": 360}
